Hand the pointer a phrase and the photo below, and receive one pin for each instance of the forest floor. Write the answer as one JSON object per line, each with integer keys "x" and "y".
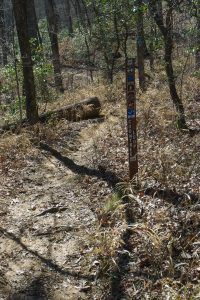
{"x": 65, "y": 232}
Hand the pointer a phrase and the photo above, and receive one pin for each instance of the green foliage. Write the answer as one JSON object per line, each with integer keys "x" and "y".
{"x": 113, "y": 23}
{"x": 43, "y": 70}
{"x": 8, "y": 76}
{"x": 43, "y": 29}
{"x": 197, "y": 74}
{"x": 78, "y": 42}
{"x": 63, "y": 34}
{"x": 15, "y": 105}
{"x": 113, "y": 203}
{"x": 156, "y": 43}
{"x": 9, "y": 86}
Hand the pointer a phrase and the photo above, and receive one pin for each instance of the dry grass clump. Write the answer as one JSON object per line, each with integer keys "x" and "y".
{"x": 67, "y": 51}
{"x": 164, "y": 261}
{"x": 107, "y": 94}
{"x": 76, "y": 95}
{"x": 108, "y": 241}
{"x": 112, "y": 212}
{"x": 17, "y": 149}
{"x": 13, "y": 151}
{"x": 107, "y": 147}
{"x": 167, "y": 156}
{"x": 165, "y": 253}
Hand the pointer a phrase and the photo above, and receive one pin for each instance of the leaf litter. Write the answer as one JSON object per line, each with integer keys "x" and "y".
{"x": 63, "y": 233}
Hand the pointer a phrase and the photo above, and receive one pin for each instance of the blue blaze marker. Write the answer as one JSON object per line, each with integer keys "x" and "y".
{"x": 131, "y": 113}
{"x": 130, "y": 77}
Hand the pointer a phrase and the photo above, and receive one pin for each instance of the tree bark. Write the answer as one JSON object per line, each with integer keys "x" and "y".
{"x": 3, "y": 34}
{"x": 33, "y": 29}
{"x": 53, "y": 35}
{"x": 160, "y": 9}
{"x": 20, "y": 13}
{"x": 166, "y": 30}
{"x": 140, "y": 45}
{"x": 85, "y": 109}
{"x": 79, "y": 12}
{"x": 197, "y": 53}
{"x": 69, "y": 17}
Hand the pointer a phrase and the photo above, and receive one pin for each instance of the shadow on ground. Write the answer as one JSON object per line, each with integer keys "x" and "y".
{"x": 105, "y": 175}
{"x": 48, "y": 262}
{"x": 37, "y": 290}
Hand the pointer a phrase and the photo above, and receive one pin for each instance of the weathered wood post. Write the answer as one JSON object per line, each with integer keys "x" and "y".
{"x": 131, "y": 117}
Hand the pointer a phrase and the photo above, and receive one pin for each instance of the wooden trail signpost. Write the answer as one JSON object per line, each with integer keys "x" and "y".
{"x": 131, "y": 117}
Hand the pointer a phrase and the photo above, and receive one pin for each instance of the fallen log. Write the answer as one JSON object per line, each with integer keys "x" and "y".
{"x": 85, "y": 109}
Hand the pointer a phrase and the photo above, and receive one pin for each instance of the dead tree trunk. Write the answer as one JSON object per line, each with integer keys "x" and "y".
{"x": 53, "y": 35}
{"x": 20, "y": 13}
{"x": 85, "y": 109}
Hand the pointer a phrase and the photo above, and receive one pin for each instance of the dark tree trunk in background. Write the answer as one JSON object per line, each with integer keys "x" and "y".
{"x": 69, "y": 17}
{"x": 160, "y": 9}
{"x": 33, "y": 29}
{"x": 53, "y": 34}
{"x": 166, "y": 30}
{"x": 3, "y": 34}
{"x": 86, "y": 12}
{"x": 79, "y": 11}
{"x": 20, "y": 13}
{"x": 151, "y": 46}
{"x": 141, "y": 45}
{"x": 197, "y": 53}
{"x": 9, "y": 25}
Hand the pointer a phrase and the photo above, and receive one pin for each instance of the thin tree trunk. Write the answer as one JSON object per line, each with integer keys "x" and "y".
{"x": 166, "y": 31}
{"x": 80, "y": 12}
{"x": 33, "y": 29}
{"x": 171, "y": 80}
{"x": 160, "y": 9}
{"x": 17, "y": 76}
{"x": 86, "y": 13}
{"x": 53, "y": 35}
{"x": 151, "y": 53}
{"x": 140, "y": 45}
{"x": 20, "y": 13}
{"x": 3, "y": 33}
{"x": 9, "y": 23}
{"x": 197, "y": 54}
{"x": 69, "y": 17}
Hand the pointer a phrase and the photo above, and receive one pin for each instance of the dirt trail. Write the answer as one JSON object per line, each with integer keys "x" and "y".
{"x": 46, "y": 223}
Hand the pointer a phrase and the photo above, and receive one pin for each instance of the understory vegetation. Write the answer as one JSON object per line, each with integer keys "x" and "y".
{"x": 155, "y": 252}
{"x": 73, "y": 224}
